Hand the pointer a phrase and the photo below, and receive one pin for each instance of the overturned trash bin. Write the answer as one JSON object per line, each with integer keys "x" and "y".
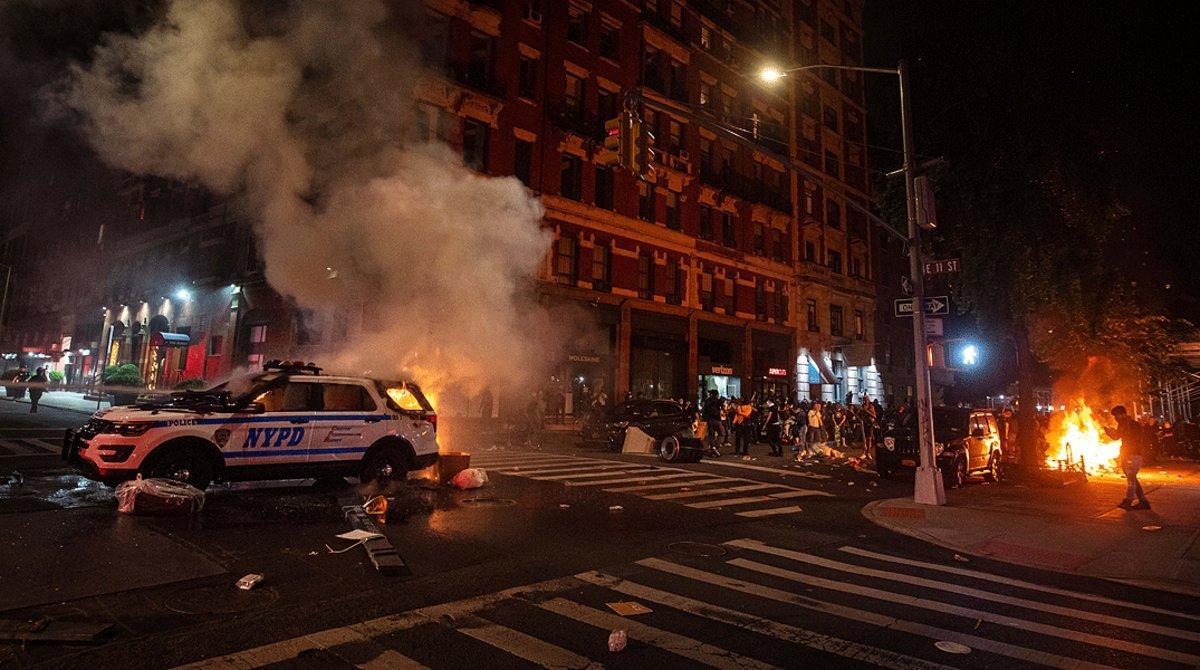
{"x": 158, "y": 497}
{"x": 451, "y": 463}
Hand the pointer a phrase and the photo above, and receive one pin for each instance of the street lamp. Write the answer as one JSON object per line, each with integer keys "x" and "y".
{"x": 969, "y": 355}
{"x": 929, "y": 489}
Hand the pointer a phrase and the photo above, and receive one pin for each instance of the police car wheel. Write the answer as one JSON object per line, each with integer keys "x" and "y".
{"x": 182, "y": 465}
{"x": 385, "y": 465}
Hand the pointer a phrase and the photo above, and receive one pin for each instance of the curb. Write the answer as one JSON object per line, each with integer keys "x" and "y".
{"x": 85, "y": 412}
{"x": 1173, "y": 586}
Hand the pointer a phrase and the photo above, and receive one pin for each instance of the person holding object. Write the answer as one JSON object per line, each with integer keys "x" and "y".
{"x": 1130, "y": 434}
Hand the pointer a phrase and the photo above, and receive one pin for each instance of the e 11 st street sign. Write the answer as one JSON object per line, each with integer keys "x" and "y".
{"x": 943, "y": 266}
{"x": 937, "y": 305}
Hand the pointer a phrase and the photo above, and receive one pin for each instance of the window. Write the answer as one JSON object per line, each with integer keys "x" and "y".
{"x": 835, "y": 320}
{"x": 759, "y": 239}
{"x": 672, "y": 201}
{"x": 810, "y": 251}
{"x": 564, "y": 257}
{"x": 856, "y": 266}
{"x": 813, "y": 325}
{"x": 731, "y": 306}
{"x": 828, "y": 32}
{"x": 604, "y": 187}
{"x": 777, "y": 251}
{"x": 346, "y": 398}
{"x": 808, "y": 202}
{"x": 676, "y": 17}
{"x": 577, "y": 25}
{"x": 288, "y": 397}
{"x": 705, "y": 93}
{"x": 760, "y": 300}
{"x": 674, "y": 137}
{"x": 858, "y": 324}
{"x": 435, "y": 38}
{"x": 705, "y": 38}
{"x": 606, "y": 106}
{"x": 835, "y": 261}
{"x": 258, "y": 334}
{"x": 646, "y": 276}
{"x": 831, "y": 164}
{"x": 728, "y": 233}
{"x": 601, "y": 266}
{"x": 573, "y": 94}
{"x": 610, "y": 41}
{"x": 475, "y": 143}
{"x": 833, "y": 214}
{"x": 570, "y": 177}
{"x": 706, "y": 223}
{"x": 523, "y": 162}
{"x": 672, "y": 283}
{"x": 479, "y": 60}
{"x": 706, "y": 291}
{"x": 645, "y": 201}
{"x": 527, "y": 78}
{"x": 215, "y": 344}
{"x": 831, "y": 118}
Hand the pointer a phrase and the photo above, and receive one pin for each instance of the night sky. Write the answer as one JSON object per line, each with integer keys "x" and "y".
{"x": 1112, "y": 78}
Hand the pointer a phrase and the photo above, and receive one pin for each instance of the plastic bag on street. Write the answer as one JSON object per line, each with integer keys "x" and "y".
{"x": 471, "y": 478}
{"x": 617, "y": 640}
{"x": 156, "y": 496}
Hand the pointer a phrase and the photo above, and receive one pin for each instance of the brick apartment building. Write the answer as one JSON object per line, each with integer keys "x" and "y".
{"x": 726, "y": 269}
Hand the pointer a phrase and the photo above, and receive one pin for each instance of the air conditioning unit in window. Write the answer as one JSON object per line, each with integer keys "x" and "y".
{"x": 532, "y": 15}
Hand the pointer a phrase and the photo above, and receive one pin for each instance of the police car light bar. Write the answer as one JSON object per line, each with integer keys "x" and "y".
{"x": 292, "y": 366}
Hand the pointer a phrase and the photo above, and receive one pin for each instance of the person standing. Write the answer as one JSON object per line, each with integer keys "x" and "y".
{"x": 800, "y": 448}
{"x": 711, "y": 413}
{"x": 1130, "y": 434}
{"x": 37, "y": 387}
{"x": 743, "y": 427}
{"x": 816, "y": 427}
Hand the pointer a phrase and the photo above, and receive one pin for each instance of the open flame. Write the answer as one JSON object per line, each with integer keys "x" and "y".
{"x": 1078, "y": 441}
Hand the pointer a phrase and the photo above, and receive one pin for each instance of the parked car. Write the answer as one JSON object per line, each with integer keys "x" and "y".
{"x": 292, "y": 420}
{"x": 667, "y": 421}
{"x": 966, "y": 441}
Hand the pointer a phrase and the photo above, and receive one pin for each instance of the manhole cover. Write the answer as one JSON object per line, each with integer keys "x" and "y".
{"x": 697, "y": 549}
{"x": 219, "y": 599}
{"x": 488, "y": 502}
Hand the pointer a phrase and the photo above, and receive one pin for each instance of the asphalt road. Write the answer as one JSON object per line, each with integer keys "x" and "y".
{"x": 742, "y": 564}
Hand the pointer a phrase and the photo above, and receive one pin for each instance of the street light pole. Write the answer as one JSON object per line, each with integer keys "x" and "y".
{"x": 929, "y": 488}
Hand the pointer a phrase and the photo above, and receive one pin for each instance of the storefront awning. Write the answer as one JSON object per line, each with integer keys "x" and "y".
{"x": 827, "y": 375}
{"x": 170, "y": 340}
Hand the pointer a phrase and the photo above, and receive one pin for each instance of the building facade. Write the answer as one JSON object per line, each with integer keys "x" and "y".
{"x": 740, "y": 266}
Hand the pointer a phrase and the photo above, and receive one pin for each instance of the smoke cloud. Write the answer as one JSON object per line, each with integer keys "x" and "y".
{"x": 303, "y": 114}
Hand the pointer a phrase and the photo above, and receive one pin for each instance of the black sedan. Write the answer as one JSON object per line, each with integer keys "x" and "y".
{"x": 667, "y": 421}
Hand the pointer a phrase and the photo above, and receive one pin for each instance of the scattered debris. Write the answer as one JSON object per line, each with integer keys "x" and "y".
{"x": 977, "y": 622}
{"x": 563, "y": 506}
{"x": 471, "y": 478}
{"x": 849, "y": 483}
{"x": 1151, "y": 528}
{"x": 952, "y": 647}
{"x": 615, "y": 508}
{"x": 156, "y": 496}
{"x": 629, "y": 608}
{"x": 961, "y": 559}
{"x": 47, "y": 630}
{"x": 16, "y": 478}
{"x": 617, "y": 641}
{"x": 383, "y": 555}
{"x": 246, "y": 583}
{"x": 376, "y": 506}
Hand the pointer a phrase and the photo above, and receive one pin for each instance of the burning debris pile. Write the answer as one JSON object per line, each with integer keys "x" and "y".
{"x": 302, "y": 114}
{"x": 1077, "y": 441}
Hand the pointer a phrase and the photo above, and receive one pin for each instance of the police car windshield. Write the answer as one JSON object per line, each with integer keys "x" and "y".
{"x": 245, "y": 387}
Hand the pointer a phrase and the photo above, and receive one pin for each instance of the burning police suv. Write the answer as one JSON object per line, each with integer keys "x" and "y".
{"x": 289, "y": 421}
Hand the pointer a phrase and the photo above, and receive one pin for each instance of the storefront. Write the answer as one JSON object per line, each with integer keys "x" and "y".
{"x": 772, "y": 383}
{"x": 657, "y": 367}
{"x": 720, "y": 378}
{"x": 585, "y": 376}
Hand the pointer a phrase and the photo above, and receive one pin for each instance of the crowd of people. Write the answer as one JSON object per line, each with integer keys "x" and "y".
{"x": 800, "y": 430}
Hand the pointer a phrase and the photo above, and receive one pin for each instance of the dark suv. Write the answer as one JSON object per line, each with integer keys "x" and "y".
{"x": 659, "y": 419}
{"x": 965, "y": 441}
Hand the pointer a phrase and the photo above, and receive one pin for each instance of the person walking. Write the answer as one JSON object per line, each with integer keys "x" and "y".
{"x": 711, "y": 413}
{"x": 1130, "y": 434}
{"x": 800, "y": 447}
{"x": 37, "y": 387}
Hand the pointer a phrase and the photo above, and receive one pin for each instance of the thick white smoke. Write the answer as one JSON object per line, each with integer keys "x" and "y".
{"x": 302, "y": 114}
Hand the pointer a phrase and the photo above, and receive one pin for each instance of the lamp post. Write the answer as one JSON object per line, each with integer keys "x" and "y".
{"x": 929, "y": 489}
{"x": 4, "y": 300}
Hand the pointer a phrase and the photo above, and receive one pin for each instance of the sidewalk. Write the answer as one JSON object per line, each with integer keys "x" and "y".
{"x": 67, "y": 400}
{"x": 1077, "y": 529}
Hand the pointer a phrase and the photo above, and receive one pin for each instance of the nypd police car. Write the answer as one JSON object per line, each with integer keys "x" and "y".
{"x": 289, "y": 421}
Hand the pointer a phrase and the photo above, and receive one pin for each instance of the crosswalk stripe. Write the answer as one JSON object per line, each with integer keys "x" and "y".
{"x": 873, "y": 618}
{"x": 788, "y": 633}
{"x": 771, "y": 511}
{"x": 968, "y": 612}
{"x": 679, "y": 645}
{"x": 998, "y": 579}
{"x": 47, "y": 444}
{"x": 525, "y": 462}
{"x": 710, "y": 492}
{"x": 754, "y": 545}
{"x": 767, "y": 468}
{"x": 27, "y": 447}
{"x": 644, "y": 478}
{"x": 560, "y": 469}
{"x": 591, "y": 474}
{"x": 728, "y": 502}
{"x": 670, "y": 485}
{"x": 520, "y": 644}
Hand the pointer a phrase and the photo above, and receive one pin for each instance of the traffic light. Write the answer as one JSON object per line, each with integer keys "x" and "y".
{"x": 616, "y": 134}
{"x": 643, "y": 150}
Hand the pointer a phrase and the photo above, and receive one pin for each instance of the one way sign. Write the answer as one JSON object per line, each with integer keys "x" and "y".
{"x": 937, "y": 305}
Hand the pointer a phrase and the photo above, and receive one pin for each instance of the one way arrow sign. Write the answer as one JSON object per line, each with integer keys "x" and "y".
{"x": 937, "y": 305}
